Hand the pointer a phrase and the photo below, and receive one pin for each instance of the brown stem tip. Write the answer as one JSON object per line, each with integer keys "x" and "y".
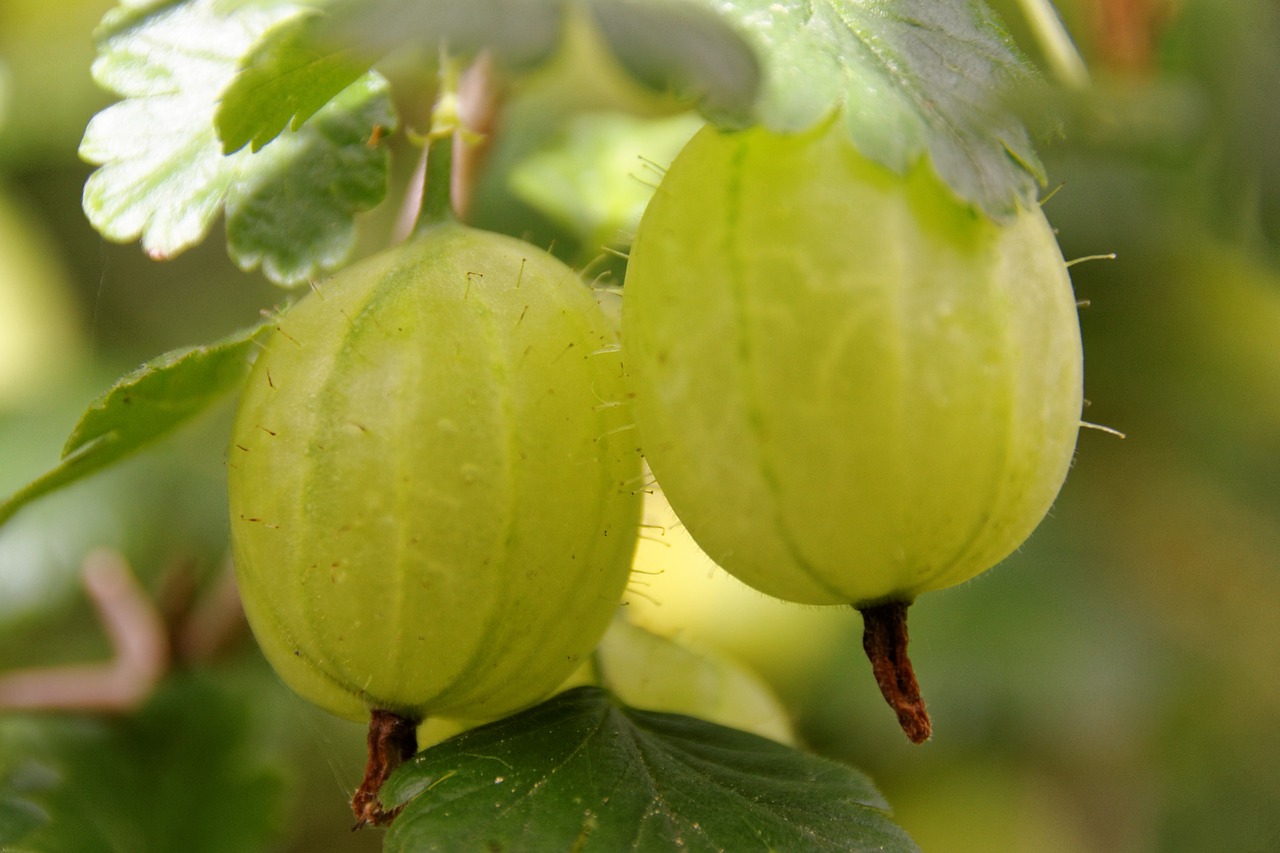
{"x": 393, "y": 739}
{"x": 884, "y": 638}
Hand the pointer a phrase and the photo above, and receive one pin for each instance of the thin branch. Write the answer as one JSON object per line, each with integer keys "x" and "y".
{"x": 137, "y": 634}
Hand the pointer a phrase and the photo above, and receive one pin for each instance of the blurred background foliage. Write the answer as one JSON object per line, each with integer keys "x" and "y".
{"x": 1112, "y": 687}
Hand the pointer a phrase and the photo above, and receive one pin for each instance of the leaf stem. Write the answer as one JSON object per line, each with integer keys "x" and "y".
{"x": 884, "y": 639}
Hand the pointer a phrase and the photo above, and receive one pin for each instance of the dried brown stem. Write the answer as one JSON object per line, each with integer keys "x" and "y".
{"x": 884, "y": 638}
{"x": 393, "y": 739}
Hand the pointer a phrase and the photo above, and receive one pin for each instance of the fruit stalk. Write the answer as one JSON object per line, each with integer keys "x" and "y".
{"x": 393, "y": 740}
{"x": 884, "y": 639}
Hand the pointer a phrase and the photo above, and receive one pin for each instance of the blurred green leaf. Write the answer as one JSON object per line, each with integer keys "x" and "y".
{"x": 40, "y": 338}
{"x": 672, "y": 45}
{"x": 598, "y": 174}
{"x": 18, "y": 817}
{"x": 519, "y": 33}
{"x": 667, "y": 44}
{"x": 142, "y": 407}
{"x": 1229, "y": 50}
{"x": 646, "y": 670}
{"x": 284, "y": 81}
{"x": 179, "y": 775}
{"x": 913, "y": 77}
{"x": 4, "y": 92}
{"x": 582, "y": 773}
{"x": 163, "y": 174}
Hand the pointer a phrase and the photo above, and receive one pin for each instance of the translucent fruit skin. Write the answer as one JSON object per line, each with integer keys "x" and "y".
{"x": 433, "y": 493}
{"x": 850, "y": 387}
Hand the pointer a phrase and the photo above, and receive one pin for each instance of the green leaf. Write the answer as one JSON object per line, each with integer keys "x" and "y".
{"x": 294, "y": 211}
{"x": 5, "y": 87}
{"x": 284, "y": 82}
{"x": 913, "y": 78}
{"x": 596, "y": 176}
{"x": 18, "y": 818}
{"x": 518, "y": 33}
{"x": 582, "y": 773}
{"x": 142, "y": 407}
{"x": 164, "y": 177}
{"x": 665, "y": 44}
{"x": 182, "y": 774}
{"x": 674, "y": 46}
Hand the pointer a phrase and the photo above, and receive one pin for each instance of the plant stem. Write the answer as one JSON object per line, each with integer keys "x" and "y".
{"x": 393, "y": 740}
{"x": 884, "y": 639}
{"x": 437, "y": 201}
{"x": 437, "y": 206}
{"x": 1059, "y": 50}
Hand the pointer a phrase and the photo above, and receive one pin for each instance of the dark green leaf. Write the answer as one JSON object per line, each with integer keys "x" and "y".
{"x": 18, "y": 818}
{"x": 294, "y": 212}
{"x": 164, "y": 177}
{"x": 142, "y": 407}
{"x": 913, "y": 78}
{"x": 180, "y": 775}
{"x": 284, "y": 82}
{"x": 583, "y": 773}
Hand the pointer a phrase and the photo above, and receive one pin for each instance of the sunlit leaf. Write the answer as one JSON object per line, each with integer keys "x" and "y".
{"x": 164, "y": 177}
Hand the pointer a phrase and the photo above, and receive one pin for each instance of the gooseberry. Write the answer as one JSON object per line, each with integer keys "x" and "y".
{"x": 851, "y": 387}
{"x": 433, "y": 491}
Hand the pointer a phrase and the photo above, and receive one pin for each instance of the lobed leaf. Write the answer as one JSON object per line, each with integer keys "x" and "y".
{"x": 581, "y": 772}
{"x": 665, "y": 44}
{"x": 142, "y": 407}
{"x": 284, "y": 81}
{"x": 912, "y": 78}
{"x": 293, "y": 213}
{"x": 164, "y": 177}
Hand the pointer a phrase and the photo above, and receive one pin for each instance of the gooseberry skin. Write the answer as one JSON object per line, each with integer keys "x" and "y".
{"x": 432, "y": 487}
{"x": 851, "y": 387}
